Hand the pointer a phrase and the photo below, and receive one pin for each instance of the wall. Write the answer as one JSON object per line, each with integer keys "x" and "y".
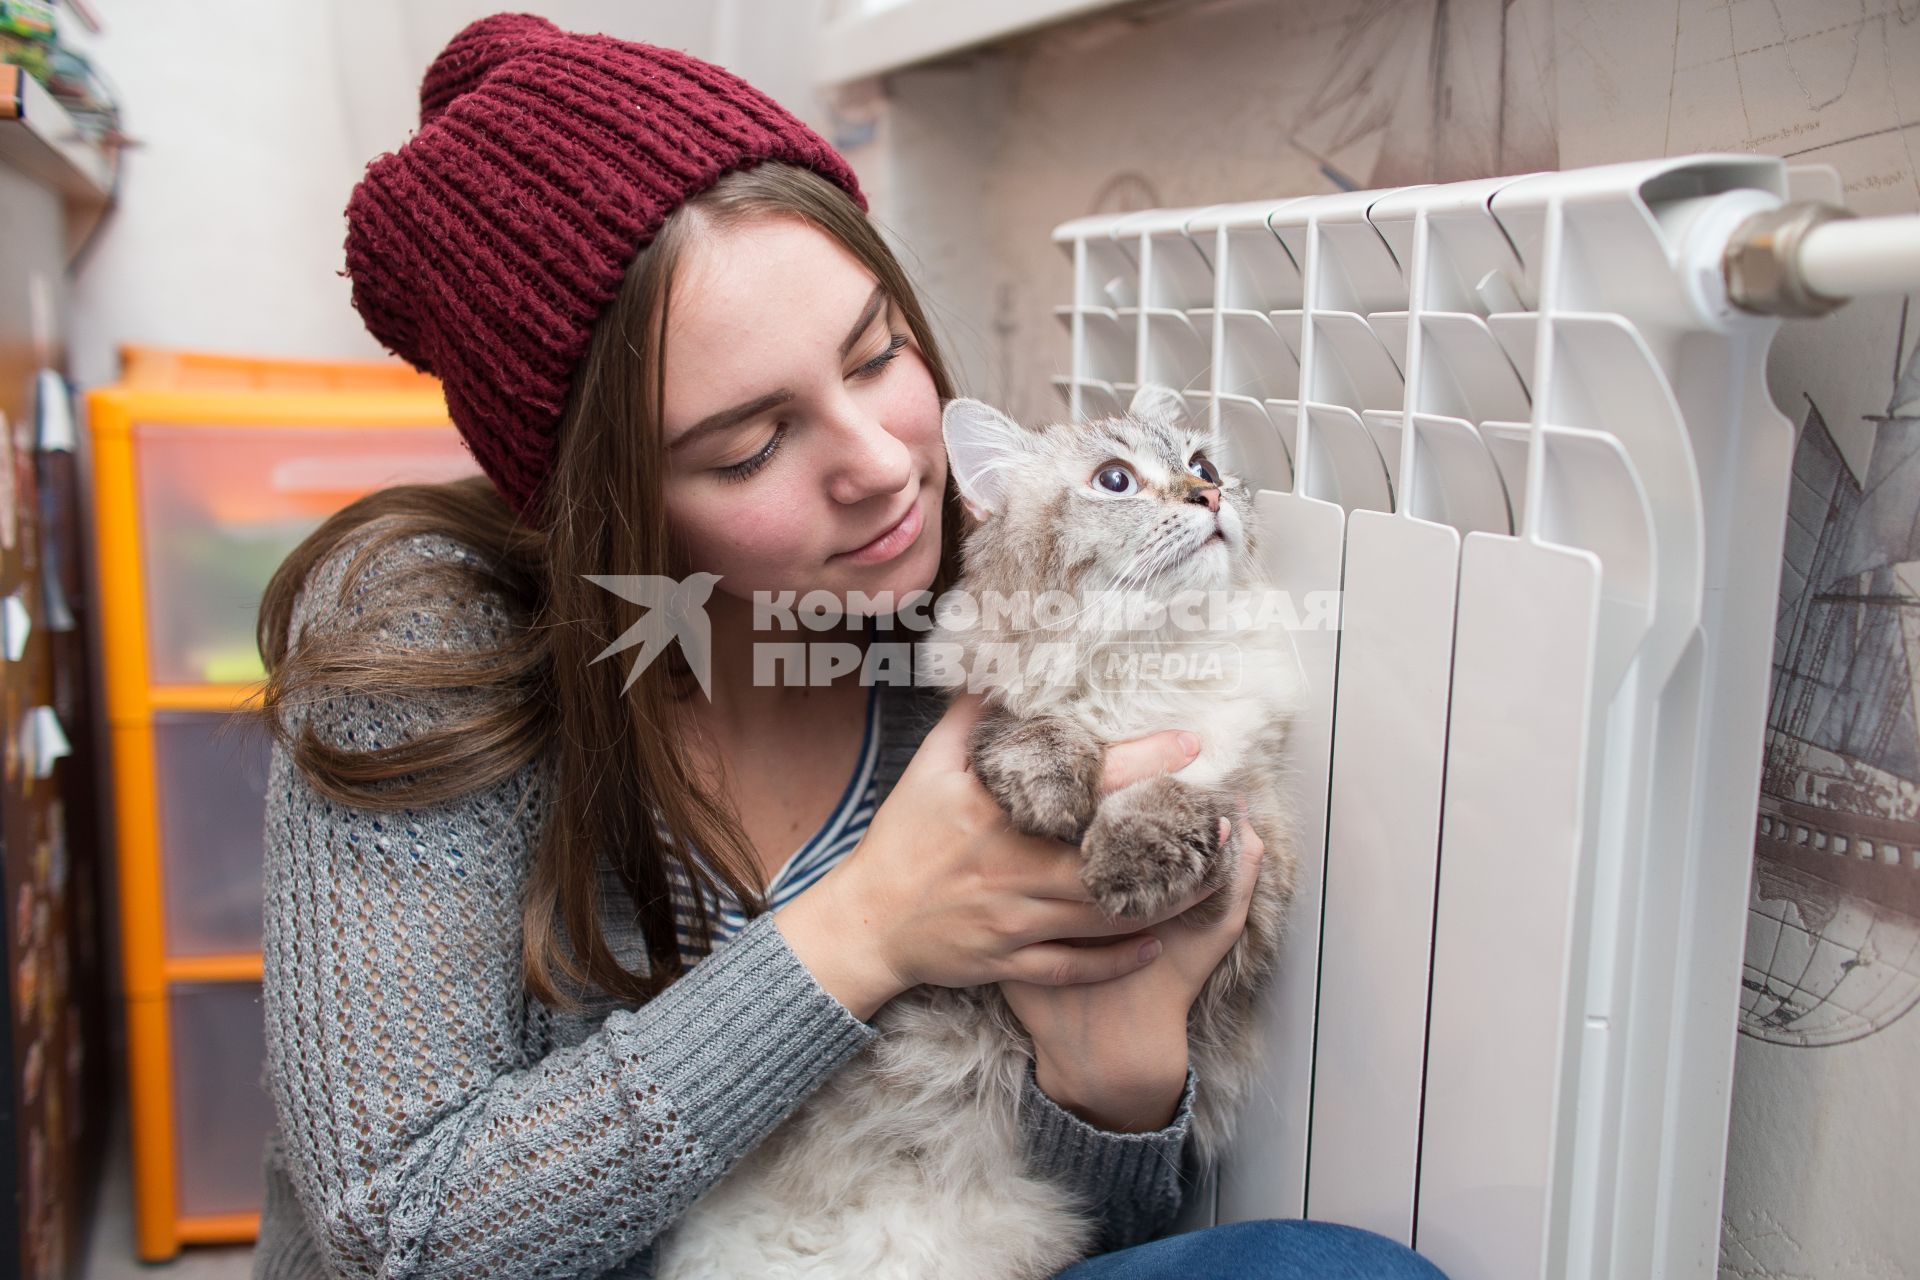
{"x": 256, "y": 117}
{"x": 227, "y": 231}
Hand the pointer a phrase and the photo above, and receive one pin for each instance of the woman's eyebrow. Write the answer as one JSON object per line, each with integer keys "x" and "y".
{"x": 867, "y": 313}
{"x": 773, "y": 399}
{"x": 730, "y": 417}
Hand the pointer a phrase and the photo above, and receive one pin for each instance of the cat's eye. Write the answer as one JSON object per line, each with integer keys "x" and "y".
{"x": 1202, "y": 466}
{"x": 1115, "y": 479}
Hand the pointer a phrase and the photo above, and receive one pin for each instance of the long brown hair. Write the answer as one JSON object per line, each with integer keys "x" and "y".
{"x": 614, "y": 754}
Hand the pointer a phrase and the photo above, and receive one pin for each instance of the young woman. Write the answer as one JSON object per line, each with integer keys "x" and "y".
{"x": 551, "y": 939}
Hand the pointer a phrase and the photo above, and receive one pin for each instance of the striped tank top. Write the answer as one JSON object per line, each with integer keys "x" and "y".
{"x": 836, "y": 837}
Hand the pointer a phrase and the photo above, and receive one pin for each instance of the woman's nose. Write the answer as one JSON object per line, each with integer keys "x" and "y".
{"x": 868, "y": 458}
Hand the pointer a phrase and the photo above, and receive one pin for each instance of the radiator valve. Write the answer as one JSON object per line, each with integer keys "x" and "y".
{"x": 1763, "y": 265}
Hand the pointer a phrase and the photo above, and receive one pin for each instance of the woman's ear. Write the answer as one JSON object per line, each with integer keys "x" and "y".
{"x": 985, "y": 449}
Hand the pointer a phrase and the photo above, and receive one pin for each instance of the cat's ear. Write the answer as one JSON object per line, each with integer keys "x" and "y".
{"x": 1155, "y": 403}
{"x": 986, "y": 451}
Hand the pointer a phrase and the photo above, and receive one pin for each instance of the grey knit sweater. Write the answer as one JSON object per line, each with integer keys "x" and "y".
{"x": 433, "y": 1119}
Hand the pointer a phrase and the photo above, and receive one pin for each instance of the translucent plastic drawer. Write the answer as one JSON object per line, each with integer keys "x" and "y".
{"x": 220, "y": 508}
{"x": 222, "y": 1114}
{"x": 211, "y": 780}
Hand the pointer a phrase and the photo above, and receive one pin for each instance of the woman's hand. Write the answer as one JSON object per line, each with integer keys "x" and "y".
{"x": 1115, "y": 1052}
{"x": 941, "y": 890}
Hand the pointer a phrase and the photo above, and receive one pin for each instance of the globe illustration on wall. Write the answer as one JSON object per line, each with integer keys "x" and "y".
{"x": 1833, "y": 925}
{"x": 1824, "y": 965}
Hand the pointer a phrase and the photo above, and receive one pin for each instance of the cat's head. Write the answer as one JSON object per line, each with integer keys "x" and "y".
{"x": 1136, "y": 502}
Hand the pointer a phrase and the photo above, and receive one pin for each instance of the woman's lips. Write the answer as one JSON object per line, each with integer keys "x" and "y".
{"x": 891, "y": 543}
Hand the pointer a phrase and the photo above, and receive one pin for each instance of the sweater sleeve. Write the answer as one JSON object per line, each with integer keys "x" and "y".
{"x": 422, "y": 1137}
{"x": 1133, "y": 1181}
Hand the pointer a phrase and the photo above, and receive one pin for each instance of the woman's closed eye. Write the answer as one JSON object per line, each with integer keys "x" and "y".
{"x": 871, "y": 369}
{"x": 741, "y": 470}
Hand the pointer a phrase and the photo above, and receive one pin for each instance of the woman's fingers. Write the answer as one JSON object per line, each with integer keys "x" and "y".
{"x": 1061, "y": 917}
{"x": 1251, "y": 845}
{"x": 1137, "y": 758}
{"x": 1252, "y": 850}
{"x": 945, "y": 745}
{"x": 1078, "y": 916}
{"x": 1062, "y": 964}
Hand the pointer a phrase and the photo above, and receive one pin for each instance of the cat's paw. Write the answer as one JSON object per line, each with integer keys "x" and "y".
{"x": 1152, "y": 844}
{"x": 1045, "y": 772}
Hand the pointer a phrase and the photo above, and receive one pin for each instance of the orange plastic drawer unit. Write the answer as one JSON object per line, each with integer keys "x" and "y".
{"x": 208, "y": 469}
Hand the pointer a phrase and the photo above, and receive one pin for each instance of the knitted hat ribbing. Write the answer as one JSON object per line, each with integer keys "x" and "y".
{"x": 483, "y": 250}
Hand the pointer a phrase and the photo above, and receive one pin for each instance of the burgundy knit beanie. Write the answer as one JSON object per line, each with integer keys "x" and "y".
{"x": 483, "y": 250}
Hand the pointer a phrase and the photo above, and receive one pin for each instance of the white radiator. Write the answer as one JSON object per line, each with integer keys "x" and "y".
{"x": 1519, "y": 427}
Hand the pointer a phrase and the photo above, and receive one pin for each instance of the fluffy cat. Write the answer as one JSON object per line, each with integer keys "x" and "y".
{"x": 908, "y": 1164}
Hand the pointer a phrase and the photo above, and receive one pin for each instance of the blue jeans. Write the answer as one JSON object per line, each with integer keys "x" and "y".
{"x": 1271, "y": 1249}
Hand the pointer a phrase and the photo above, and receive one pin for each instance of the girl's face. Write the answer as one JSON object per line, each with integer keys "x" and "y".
{"x": 802, "y": 426}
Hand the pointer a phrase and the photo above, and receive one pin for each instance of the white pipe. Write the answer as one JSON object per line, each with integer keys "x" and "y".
{"x": 1856, "y": 257}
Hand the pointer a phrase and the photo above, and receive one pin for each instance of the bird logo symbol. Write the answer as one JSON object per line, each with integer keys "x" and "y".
{"x": 675, "y": 610}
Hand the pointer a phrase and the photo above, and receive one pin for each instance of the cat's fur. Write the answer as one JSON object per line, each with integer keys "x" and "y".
{"x": 908, "y": 1163}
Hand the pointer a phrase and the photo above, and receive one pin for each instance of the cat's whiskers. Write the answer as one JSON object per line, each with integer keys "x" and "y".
{"x": 1128, "y": 568}
{"x": 1145, "y": 568}
{"x": 1140, "y": 568}
{"x": 1190, "y": 381}
{"x": 1171, "y": 551}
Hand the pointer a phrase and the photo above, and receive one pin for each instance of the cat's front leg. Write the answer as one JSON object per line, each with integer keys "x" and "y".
{"x": 1045, "y": 771}
{"x": 1154, "y": 842}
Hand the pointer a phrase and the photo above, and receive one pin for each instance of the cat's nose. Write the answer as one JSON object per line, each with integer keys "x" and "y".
{"x": 1207, "y": 495}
